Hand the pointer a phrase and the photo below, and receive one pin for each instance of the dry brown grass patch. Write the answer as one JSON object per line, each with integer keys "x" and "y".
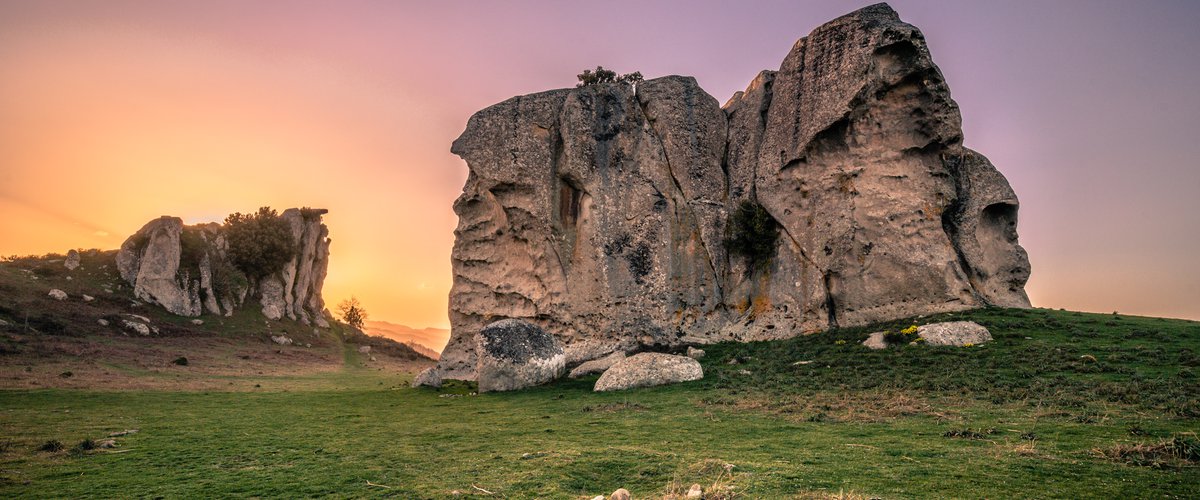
{"x": 1181, "y": 450}
{"x": 874, "y": 406}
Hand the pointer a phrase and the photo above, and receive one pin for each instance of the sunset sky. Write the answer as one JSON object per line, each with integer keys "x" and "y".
{"x": 113, "y": 113}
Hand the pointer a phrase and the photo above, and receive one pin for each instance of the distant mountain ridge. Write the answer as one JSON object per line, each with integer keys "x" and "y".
{"x": 427, "y": 341}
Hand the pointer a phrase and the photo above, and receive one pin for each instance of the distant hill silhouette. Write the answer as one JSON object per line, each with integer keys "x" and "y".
{"x": 427, "y": 341}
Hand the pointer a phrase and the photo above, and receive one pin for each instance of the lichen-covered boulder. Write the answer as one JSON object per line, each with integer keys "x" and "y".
{"x": 954, "y": 333}
{"x": 514, "y": 354}
{"x": 649, "y": 369}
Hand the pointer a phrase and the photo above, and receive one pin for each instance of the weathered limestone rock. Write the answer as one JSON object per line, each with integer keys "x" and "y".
{"x": 599, "y": 213}
{"x": 72, "y": 261}
{"x": 429, "y": 377}
{"x": 876, "y": 341}
{"x": 649, "y": 369}
{"x": 149, "y": 260}
{"x": 694, "y": 353}
{"x": 57, "y": 294}
{"x": 152, "y": 261}
{"x": 596, "y": 365}
{"x": 954, "y": 333}
{"x": 515, "y": 354}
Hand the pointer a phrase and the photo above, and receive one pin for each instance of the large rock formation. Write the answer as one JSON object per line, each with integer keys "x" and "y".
{"x": 601, "y": 213}
{"x": 187, "y": 270}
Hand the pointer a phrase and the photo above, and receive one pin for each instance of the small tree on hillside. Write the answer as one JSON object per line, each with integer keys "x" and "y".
{"x": 352, "y": 312}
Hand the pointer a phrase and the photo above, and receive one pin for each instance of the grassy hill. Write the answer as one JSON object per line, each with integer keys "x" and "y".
{"x": 81, "y": 343}
{"x": 1060, "y": 405}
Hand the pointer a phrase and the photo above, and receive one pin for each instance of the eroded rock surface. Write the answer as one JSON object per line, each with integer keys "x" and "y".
{"x": 600, "y": 213}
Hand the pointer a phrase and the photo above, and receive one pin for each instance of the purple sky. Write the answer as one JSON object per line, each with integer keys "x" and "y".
{"x": 1091, "y": 109}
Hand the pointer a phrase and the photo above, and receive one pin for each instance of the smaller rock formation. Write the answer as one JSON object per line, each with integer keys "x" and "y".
{"x": 694, "y": 353}
{"x": 649, "y": 369}
{"x": 57, "y": 294}
{"x": 515, "y": 354}
{"x": 954, "y": 333}
{"x": 72, "y": 261}
{"x": 429, "y": 377}
{"x": 281, "y": 339}
{"x": 597, "y": 365}
{"x": 188, "y": 270}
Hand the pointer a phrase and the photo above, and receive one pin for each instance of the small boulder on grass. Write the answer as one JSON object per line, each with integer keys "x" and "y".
{"x": 649, "y": 369}
{"x": 954, "y": 333}
{"x": 597, "y": 365}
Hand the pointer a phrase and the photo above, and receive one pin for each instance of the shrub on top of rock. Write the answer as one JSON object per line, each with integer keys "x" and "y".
{"x": 259, "y": 243}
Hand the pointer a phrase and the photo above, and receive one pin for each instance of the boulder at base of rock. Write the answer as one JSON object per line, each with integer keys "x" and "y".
{"x": 649, "y": 369}
{"x": 955, "y": 333}
{"x": 694, "y": 353}
{"x": 514, "y": 354}
{"x": 72, "y": 260}
{"x": 620, "y": 494}
{"x": 57, "y": 294}
{"x": 281, "y": 339}
{"x": 597, "y": 365}
{"x": 430, "y": 377}
{"x": 876, "y": 341}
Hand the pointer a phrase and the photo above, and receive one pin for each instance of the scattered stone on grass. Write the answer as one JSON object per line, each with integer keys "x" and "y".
{"x": 281, "y": 339}
{"x": 875, "y": 341}
{"x": 597, "y": 365}
{"x": 57, "y": 294}
{"x": 649, "y": 369}
{"x": 954, "y": 333}
{"x": 72, "y": 261}
{"x": 620, "y": 494}
{"x": 694, "y": 353}
{"x": 140, "y": 328}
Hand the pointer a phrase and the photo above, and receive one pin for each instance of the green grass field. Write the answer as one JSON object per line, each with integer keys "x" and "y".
{"x": 1060, "y": 405}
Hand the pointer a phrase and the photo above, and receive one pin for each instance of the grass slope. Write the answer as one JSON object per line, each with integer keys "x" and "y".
{"x": 1061, "y": 404}
{"x": 47, "y": 343}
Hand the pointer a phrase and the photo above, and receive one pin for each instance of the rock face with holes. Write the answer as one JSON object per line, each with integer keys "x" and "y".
{"x": 602, "y": 213}
{"x": 186, "y": 270}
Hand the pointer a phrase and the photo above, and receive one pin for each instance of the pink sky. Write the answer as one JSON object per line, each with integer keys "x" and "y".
{"x": 113, "y": 113}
